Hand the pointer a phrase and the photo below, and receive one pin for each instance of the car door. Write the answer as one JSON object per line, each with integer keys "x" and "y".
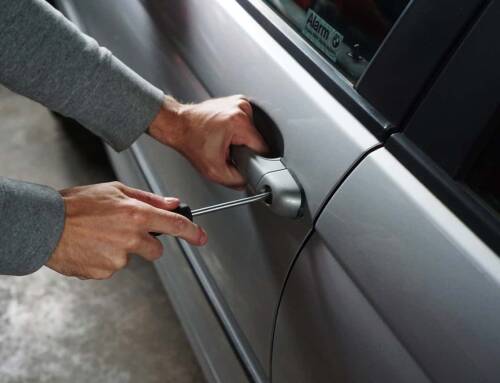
{"x": 250, "y": 248}
{"x": 198, "y": 49}
{"x": 401, "y": 280}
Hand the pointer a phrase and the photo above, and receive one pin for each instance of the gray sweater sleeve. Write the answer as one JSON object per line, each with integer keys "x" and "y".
{"x": 32, "y": 220}
{"x": 44, "y": 57}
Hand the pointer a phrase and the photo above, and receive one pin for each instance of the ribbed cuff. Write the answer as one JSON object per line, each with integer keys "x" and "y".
{"x": 31, "y": 223}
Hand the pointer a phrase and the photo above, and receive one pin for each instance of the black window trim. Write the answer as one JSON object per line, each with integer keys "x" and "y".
{"x": 457, "y": 197}
{"x": 325, "y": 73}
{"x": 414, "y": 53}
{"x": 446, "y": 125}
{"x": 464, "y": 139}
{"x": 380, "y": 85}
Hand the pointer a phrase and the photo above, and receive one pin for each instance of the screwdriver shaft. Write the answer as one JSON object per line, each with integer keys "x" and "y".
{"x": 230, "y": 204}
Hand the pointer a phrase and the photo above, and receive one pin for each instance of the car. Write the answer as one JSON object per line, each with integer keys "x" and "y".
{"x": 377, "y": 258}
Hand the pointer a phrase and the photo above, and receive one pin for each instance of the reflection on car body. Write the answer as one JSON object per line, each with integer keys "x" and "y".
{"x": 391, "y": 274}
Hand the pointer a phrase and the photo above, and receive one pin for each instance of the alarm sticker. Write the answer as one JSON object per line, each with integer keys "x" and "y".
{"x": 322, "y": 35}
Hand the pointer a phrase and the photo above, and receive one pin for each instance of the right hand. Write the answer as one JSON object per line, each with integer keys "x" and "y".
{"x": 204, "y": 133}
{"x": 105, "y": 223}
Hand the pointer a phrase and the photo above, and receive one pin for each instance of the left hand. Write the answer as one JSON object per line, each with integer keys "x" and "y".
{"x": 105, "y": 223}
{"x": 204, "y": 132}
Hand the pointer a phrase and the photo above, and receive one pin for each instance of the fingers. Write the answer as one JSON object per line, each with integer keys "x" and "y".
{"x": 226, "y": 174}
{"x": 245, "y": 105}
{"x": 108, "y": 265}
{"x": 166, "y": 203}
{"x": 152, "y": 214}
{"x": 145, "y": 246}
{"x": 251, "y": 138}
{"x": 246, "y": 134}
{"x": 231, "y": 177}
{"x": 150, "y": 248}
{"x": 165, "y": 222}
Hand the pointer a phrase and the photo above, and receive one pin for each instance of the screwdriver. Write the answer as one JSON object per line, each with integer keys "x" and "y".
{"x": 186, "y": 211}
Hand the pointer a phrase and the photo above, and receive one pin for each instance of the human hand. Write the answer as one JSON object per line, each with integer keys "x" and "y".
{"x": 105, "y": 223}
{"x": 204, "y": 133}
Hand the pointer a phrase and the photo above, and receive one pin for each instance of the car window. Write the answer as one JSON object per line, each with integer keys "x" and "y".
{"x": 346, "y": 32}
{"x": 484, "y": 175}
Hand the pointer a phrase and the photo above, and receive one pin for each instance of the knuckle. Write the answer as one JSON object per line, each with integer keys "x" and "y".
{"x": 106, "y": 275}
{"x": 100, "y": 275}
{"x": 137, "y": 215}
{"x": 116, "y": 184}
{"x": 180, "y": 224}
{"x": 242, "y": 115}
{"x": 120, "y": 262}
{"x": 158, "y": 250}
{"x": 243, "y": 103}
{"x": 212, "y": 173}
{"x": 238, "y": 117}
{"x": 132, "y": 243}
{"x": 139, "y": 218}
{"x": 128, "y": 206}
{"x": 71, "y": 271}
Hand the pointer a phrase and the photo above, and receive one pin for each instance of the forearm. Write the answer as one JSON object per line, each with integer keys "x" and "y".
{"x": 44, "y": 57}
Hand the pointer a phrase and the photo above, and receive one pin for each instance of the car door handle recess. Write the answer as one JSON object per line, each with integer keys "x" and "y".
{"x": 270, "y": 175}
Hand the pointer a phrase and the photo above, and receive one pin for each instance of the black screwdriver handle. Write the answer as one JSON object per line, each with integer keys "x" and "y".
{"x": 184, "y": 210}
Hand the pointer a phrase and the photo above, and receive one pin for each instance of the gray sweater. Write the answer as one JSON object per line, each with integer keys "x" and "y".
{"x": 44, "y": 57}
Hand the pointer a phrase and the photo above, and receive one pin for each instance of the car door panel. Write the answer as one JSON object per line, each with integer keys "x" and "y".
{"x": 327, "y": 331}
{"x": 231, "y": 54}
{"x": 263, "y": 243}
{"x": 196, "y": 49}
{"x": 212, "y": 348}
{"x": 431, "y": 279}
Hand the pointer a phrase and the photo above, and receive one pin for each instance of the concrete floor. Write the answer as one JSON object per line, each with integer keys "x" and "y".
{"x": 57, "y": 329}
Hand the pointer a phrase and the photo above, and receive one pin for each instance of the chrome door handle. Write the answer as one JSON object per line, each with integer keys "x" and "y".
{"x": 270, "y": 175}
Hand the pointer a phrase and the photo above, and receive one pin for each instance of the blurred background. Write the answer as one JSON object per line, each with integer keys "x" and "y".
{"x": 57, "y": 329}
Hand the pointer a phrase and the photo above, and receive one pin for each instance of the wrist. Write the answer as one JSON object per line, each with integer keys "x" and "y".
{"x": 168, "y": 125}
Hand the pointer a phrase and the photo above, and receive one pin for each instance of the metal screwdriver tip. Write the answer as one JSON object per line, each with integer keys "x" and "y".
{"x": 230, "y": 204}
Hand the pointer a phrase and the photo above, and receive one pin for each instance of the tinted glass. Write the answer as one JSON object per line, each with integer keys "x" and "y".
{"x": 346, "y": 32}
{"x": 484, "y": 175}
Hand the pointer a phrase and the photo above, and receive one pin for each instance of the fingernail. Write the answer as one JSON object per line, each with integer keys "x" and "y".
{"x": 171, "y": 199}
{"x": 203, "y": 237}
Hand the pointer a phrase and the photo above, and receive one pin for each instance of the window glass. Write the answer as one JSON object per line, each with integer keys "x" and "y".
{"x": 346, "y": 32}
{"x": 484, "y": 175}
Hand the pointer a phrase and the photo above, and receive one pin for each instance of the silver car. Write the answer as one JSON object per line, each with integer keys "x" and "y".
{"x": 377, "y": 258}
